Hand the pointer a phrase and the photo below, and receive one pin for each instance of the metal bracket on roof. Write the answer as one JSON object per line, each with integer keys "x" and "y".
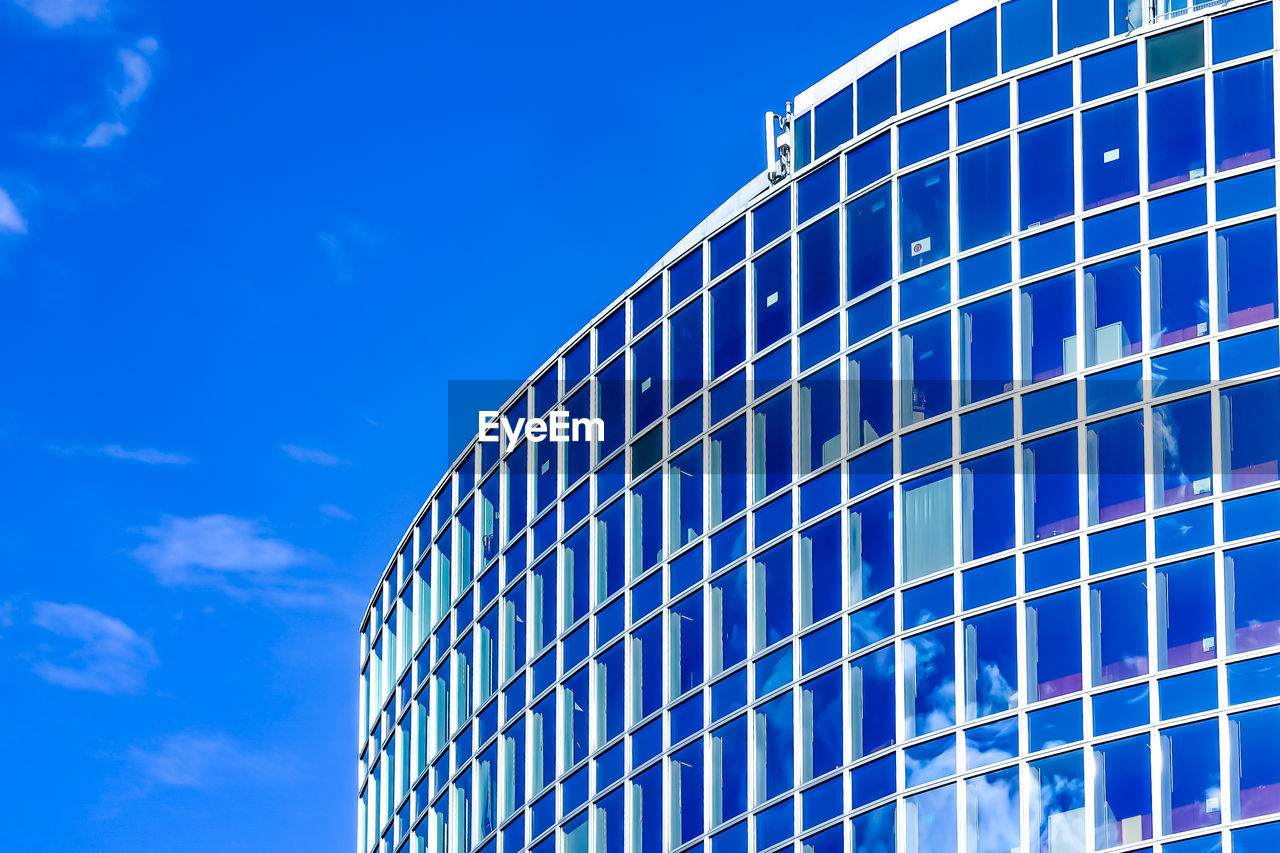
{"x": 777, "y": 142}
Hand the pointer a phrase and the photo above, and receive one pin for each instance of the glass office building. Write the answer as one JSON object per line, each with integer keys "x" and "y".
{"x": 937, "y": 508}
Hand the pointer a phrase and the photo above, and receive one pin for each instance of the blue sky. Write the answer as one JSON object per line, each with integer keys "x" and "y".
{"x": 243, "y": 248}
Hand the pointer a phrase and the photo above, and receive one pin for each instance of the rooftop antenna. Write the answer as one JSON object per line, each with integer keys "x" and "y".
{"x": 777, "y": 144}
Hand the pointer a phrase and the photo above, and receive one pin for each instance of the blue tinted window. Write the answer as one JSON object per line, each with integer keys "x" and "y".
{"x": 1111, "y": 231}
{"x": 1049, "y": 407}
{"x": 1053, "y": 480}
{"x": 1113, "y": 389}
{"x": 1048, "y": 250}
{"x": 869, "y": 316}
{"x": 985, "y": 181}
{"x": 1175, "y": 134}
{"x": 1243, "y": 115}
{"x": 1128, "y": 15}
{"x": 1118, "y": 547}
{"x": 686, "y": 275}
{"x": 1242, "y": 33}
{"x": 1177, "y": 212}
{"x": 1246, "y": 194}
{"x": 989, "y": 584}
{"x": 923, "y": 137}
{"x": 987, "y": 503}
{"x": 923, "y": 221}
{"x": 1184, "y": 531}
{"x": 877, "y": 95}
{"x": 1044, "y": 93}
{"x": 1251, "y": 680}
{"x": 686, "y": 352}
{"x": 973, "y": 50}
{"x": 818, "y": 191}
{"x": 772, "y": 219}
{"x": 1179, "y": 371}
{"x": 727, "y": 248}
{"x": 1121, "y": 709}
{"x": 816, "y": 344}
{"x": 1247, "y": 273}
{"x": 1055, "y": 726}
{"x": 1191, "y": 693}
{"x": 1048, "y": 328}
{"x": 925, "y": 447}
{"x": 870, "y": 240}
{"x": 728, "y": 318}
{"x": 1109, "y": 72}
{"x": 986, "y": 426}
{"x": 982, "y": 272}
{"x": 870, "y": 469}
{"x": 871, "y": 393}
{"x": 986, "y": 349}
{"x": 802, "y": 130}
{"x": 867, "y": 163}
{"x": 1186, "y": 473}
{"x": 819, "y": 267}
{"x": 1048, "y": 186}
{"x": 871, "y": 548}
{"x": 610, "y": 335}
{"x": 1026, "y": 28}
{"x": 927, "y": 369}
{"x": 1110, "y": 153}
{"x": 924, "y": 292}
{"x": 1053, "y": 565}
{"x": 1248, "y": 353}
{"x": 1081, "y": 22}
{"x": 982, "y": 115}
{"x": 833, "y": 122}
{"x": 1116, "y": 484}
{"x": 924, "y": 72}
{"x": 772, "y": 285}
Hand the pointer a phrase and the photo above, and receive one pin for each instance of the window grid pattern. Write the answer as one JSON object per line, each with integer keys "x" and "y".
{"x": 846, "y": 638}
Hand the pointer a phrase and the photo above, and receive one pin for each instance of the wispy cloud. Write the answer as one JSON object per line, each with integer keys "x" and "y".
{"x": 145, "y": 455}
{"x": 311, "y": 455}
{"x": 105, "y": 654}
{"x": 105, "y": 133}
{"x": 336, "y": 512}
{"x": 11, "y": 221}
{"x": 135, "y": 69}
{"x": 218, "y": 543}
{"x": 60, "y": 13}
{"x": 202, "y": 760}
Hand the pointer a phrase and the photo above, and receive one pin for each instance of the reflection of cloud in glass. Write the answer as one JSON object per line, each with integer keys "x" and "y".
{"x": 993, "y": 803}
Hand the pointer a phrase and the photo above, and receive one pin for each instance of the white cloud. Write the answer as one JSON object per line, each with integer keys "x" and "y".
{"x": 104, "y": 134}
{"x": 60, "y": 13}
{"x": 11, "y": 220}
{"x": 109, "y": 656}
{"x": 200, "y": 760}
{"x": 137, "y": 72}
{"x": 311, "y": 455}
{"x": 336, "y": 512}
{"x": 145, "y": 455}
{"x": 220, "y": 543}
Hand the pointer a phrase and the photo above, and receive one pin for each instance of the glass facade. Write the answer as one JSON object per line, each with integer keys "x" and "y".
{"x": 939, "y": 502}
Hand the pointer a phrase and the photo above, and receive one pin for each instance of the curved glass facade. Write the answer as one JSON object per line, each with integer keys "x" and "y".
{"x": 937, "y": 508}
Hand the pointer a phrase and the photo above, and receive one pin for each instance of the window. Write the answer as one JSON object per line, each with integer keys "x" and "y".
{"x": 685, "y": 498}
{"x": 982, "y": 115}
{"x": 986, "y": 349}
{"x": 1191, "y": 783}
{"x": 927, "y": 525}
{"x": 1113, "y": 309}
{"x": 819, "y": 268}
{"x": 1027, "y": 32}
{"x": 871, "y": 692}
{"x": 1044, "y": 93}
{"x": 610, "y": 550}
{"x": 1251, "y": 456}
{"x": 729, "y": 771}
{"x": 984, "y": 194}
{"x": 1243, "y": 115}
{"x": 930, "y": 681}
{"x": 923, "y": 221}
{"x": 1116, "y": 475}
{"x": 646, "y": 811}
{"x": 931, "y": 819}
{"x": 610, "y": 693}
{"x": 821, "y": 571}
{"x": 686, "y": 353}
{"x": 646, "y": 524}
{"x": 1123, "y": 769}
{"x": 869, "y": 233}
{"x": 924, "y": 72}
{"x": 728, "y": 620}
{"x": 1046, "y": 174}
{"x": 833, "y": 123}
{"x": 1255, "y": 783}
{"x": 1182, "y": 450}
{"x": 576, "y": 737}
{"x": 1180, "y": 290}
{"x": 991, "y": 663}
{"x": 871, "y": 393}
{"x": 973, "y": 50}
{"x": 1049, "y": 328}
{"x": 1079, "y": 24}
{"x": 1242, "y": 33}
{"x": 877, "y": 95}
{"x": 1117, "y": 616}
{"x": 775, "y": 738}
{"x": 687, "y": 797}
{"x": 994, "y": 816}
{"x": 987, "y": 514}
{"x": 1058, "y": 798}
{"x": 728, "y": 320}
{"x": 871, "y": 546}
{"x": 773, "y": 295}
{"x": 867, "y": 163}
{"x": 542, "y": 742}
{"x": 727, "y": 471}
{"x": 686, "y": 645}
{"x": 1175, "y": 133}
{"x": 1175, "y": 52}
{"x": 1110, "y": 153}
{"x": 1253, "y": 618}
{"x": 926, "y": 370}
{"x": 542, "y": 604}
{"x": 1247, "y": 274}
{"x": 646, "y": 667}
{"x": 1053, "y": 646}
{"x": 924, "y": 137}
{"x": 822, "y": 730}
